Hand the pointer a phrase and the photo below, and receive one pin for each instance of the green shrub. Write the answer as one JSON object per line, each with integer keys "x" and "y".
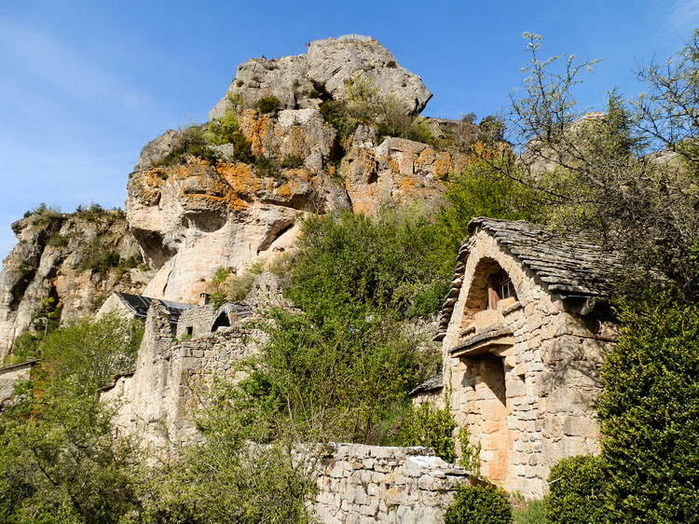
{"x": 479, "y": 504}
{"x": 648, "y": 412}
{"x": 57, "y": 240}
{"x": 44, "y": 211}
{"x": 398, "y": 261}
{"x": 334, "y": 376}
{"x": 483, "y": 190}
{"x": 430, "y": 427}
{"x": 292, "y": 162}
{"x": 60, "y": 460}
{"x": 193, "y": 142}
{"x": 226, "y": 130}
{"x": 268, "y": 104}
{"x": 336, "y": 114}
{"x": 577, "y": 489}
{"x": 267, "y": 167}
{"x": 226, "y": 478}
{"x": 102, "y": 262}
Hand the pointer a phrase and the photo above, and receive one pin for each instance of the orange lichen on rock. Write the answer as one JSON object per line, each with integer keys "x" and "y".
{"x": 442, "y": 164}
{"x": 407, "y": 183}
{"x": 256, "y": 128}
{"x": 427, "y": 157}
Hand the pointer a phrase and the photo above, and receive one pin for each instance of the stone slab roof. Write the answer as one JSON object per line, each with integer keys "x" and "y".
{"x": 431, "y": 384}
{"x": 565, "y": 265}
{"x": 140, "y": 304}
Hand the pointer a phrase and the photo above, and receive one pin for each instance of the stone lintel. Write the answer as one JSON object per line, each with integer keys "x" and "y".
{"x": 483, "y": 343}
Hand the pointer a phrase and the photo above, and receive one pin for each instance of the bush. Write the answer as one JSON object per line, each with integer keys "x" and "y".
{"x": 430, "y": 427}
{"x": 333, "y": 377}
{"x": 60, "y": 460}
{"x": 576, "y": 495}
{"x": 267, "y": 167}
{"x": 228, "y": 478}
{"x": 193, "y": 142}
{"x": 226, "y": 130}
{"x": 57, "y": 240}
{"x": 394, "y": 262}
{"x": 648, "y": 412}
{"x": 268, "y": 104}
{"x": 336, "y": 114}
{"x": 292, "y": 162}
{"x": 480, "y": 504}
{"x": 102, "y": 261}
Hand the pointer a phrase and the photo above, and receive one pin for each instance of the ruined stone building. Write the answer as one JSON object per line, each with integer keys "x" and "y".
{"x": 524, "y": 329}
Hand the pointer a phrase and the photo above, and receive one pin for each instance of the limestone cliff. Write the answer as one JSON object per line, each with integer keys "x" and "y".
{"x": 229, "y": 209}
{"x": 62, "y": 268}
{"x": 231, "y": 191}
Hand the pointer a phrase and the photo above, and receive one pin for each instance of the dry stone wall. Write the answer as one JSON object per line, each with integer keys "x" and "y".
{"x": 362, "y": 484}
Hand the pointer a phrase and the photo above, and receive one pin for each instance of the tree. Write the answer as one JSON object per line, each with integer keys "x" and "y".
{"x": 228, "y": 477}
{"x": 59, "y": 458}
{"x": 649, "y": 414}
{"x": 599, "y": 178}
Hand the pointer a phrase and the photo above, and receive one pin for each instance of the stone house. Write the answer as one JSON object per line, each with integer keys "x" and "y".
{"x": 524, "y": 329}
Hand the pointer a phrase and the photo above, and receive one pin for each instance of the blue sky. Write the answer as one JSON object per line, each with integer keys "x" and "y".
{"x": 86, "y": 83}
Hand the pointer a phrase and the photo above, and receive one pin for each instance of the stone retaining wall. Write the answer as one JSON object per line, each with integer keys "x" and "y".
{"x": 362, "y": 484}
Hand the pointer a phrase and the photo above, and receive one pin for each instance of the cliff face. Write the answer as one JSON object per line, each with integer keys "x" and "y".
{"x": 198, "y": 215}
{"x": 62, "y": 268}
{"x": 196, "y": 204}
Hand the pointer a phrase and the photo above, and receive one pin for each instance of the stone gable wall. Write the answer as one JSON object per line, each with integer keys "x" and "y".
{"x": 198, "y": 318}
{"x": 546, "y": 410}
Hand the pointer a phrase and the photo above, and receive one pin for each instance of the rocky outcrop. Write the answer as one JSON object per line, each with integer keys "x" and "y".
{"x": 188, "y": 213}
{"x": 62, "y": 268}
{"x": 199, "y": 215}
{"x": 395, "y": 172}
{"x": 304, "y": 81}
{"x": 193, "y": 218}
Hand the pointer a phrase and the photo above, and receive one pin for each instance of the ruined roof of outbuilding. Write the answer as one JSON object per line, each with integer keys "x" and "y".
{"x": 566, "y": 265}
{"x": 140, "y": 304}
{"x": 431, "y": 384}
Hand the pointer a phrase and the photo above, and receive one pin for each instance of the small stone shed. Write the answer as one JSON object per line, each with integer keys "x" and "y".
{"x": 524, "y": 329}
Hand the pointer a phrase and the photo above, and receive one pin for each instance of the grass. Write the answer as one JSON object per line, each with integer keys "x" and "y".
{"x": 530, "y": 512}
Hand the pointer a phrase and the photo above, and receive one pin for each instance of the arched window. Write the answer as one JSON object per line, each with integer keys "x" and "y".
{"x": 221, "y": 320}
{"x": 489, "y": 285}
{"x": 499, "y": 288}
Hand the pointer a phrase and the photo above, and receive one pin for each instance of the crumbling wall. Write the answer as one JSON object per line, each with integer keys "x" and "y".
{"x": 160, "y": 399}
{"x": 359, "y": 483}
{"x": 12, "y": 375}
{"x": 197, "y": 320}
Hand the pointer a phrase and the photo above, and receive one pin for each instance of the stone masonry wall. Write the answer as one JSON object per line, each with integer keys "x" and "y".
{"x": 10, "y": 376}
{"x": 159, "y": 401}
{"x": 361, "y": 484}
{"x": 199, "y": 319}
